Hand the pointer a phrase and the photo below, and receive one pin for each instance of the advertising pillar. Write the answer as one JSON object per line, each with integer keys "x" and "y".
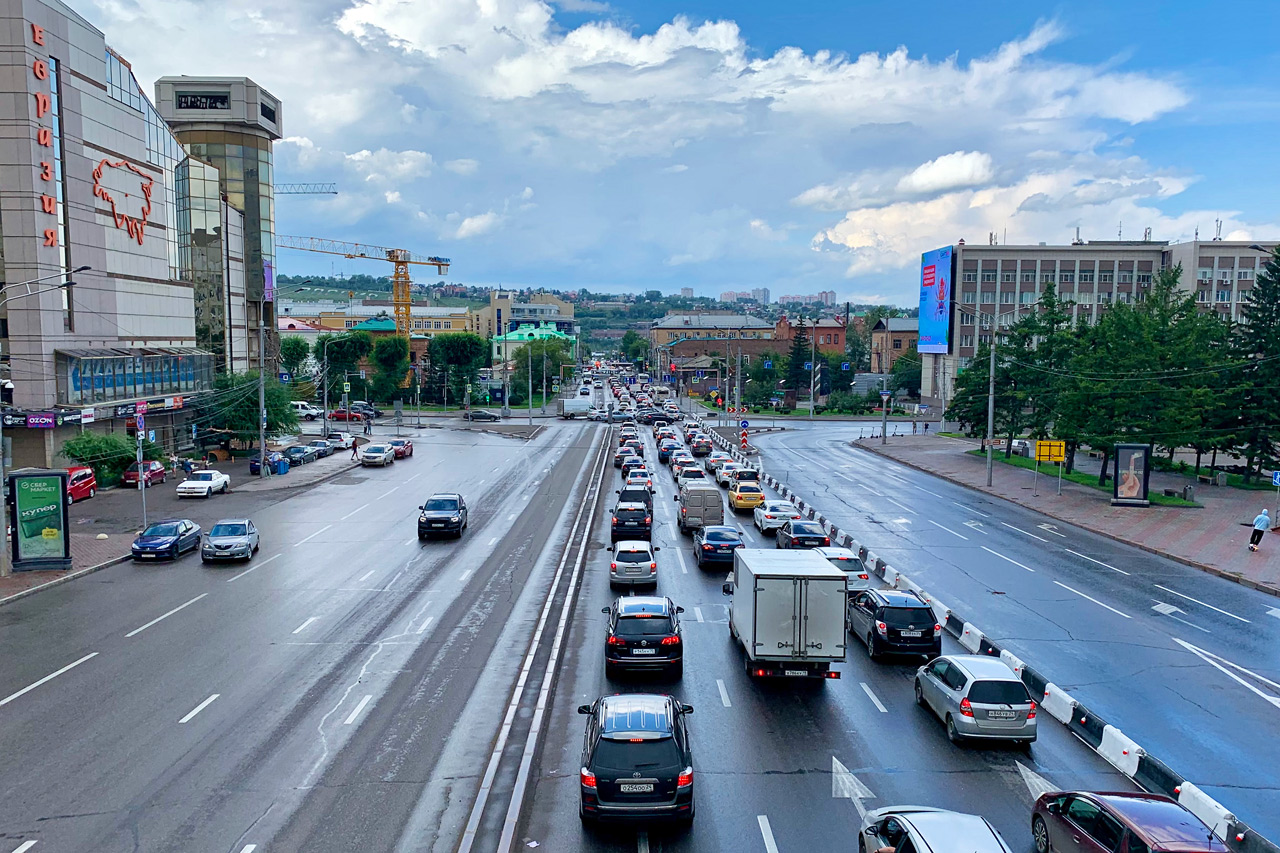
{"x": 38, "y": 514}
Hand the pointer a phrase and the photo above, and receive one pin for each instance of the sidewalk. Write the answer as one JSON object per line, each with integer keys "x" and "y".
{"x": 1213, "y": 538}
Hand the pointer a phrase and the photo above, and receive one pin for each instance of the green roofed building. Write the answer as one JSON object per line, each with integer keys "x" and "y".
{"x": 505, "y": 345}
{"x": 375, "y": 325}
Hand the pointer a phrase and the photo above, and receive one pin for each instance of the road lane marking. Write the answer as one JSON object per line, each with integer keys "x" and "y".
{"x": 683, "y": 569}
{"x": 1003, "y": 557}
{"x": 1035, "y": 783}
{"x": 846, "y": 786}
{"x": 1212, "y": 659}
{"x": 165, "y": 616}
{"x": 1020, "y": 530}
{"x": 906, "y": 508}
{"x": 1198, "y": 601}
{"x": 481, "y": 483}
{"x": 1274, "y": 611}
{"x": 393, "y": 580}
{"x": 313, "y": 535}
{"x": 971, "y": 509}
{"x": 364, "y": 577}
{"x": 353, "y": 512}
{"x": 493, "y": 541}
{"x": 866, "y": 688}
{"x": 351, "y": 719}
{"x": 253, "y": 568}
{"x": 197, "y": 709}
{"x": 974, "y": 524}
{"x": 1168, "y": 610}
{"x": 462, "y": 578}
{"x": 697, "y": 611}
{"x": 1051, "y": 528}
{"x": 724, "y": 693}
{"x": 25, "y": 846}
{"x": 394, "y": 489}
{"x": 414, "y": 477}
{"x": 770, "y": 845}
{"x": 426, "y": 623}
{"x": 1099, "y": 562}
{"x": 935, "y": 494}
{"x": 248, "y": 848}
{"x": 1094, "y": 600}
{"x": 948, "y": 529}
{"x": 511, "y": 517}
{"x": 303, "y": 626}
{"x": 50, "y": 677}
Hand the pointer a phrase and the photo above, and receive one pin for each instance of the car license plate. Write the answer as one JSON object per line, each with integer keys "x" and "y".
{"x": 144, "y": 556}
{"x": 437, "y": 525}
{"x": 644, "y": 651}
{"x": 911, "y": 633}
{"x": 636, "y": 787}
{"x": 795, "y": 672}
{"x": 1002, "y": 715}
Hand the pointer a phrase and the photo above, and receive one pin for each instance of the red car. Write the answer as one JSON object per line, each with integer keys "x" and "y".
{"x": 153, "y": 472}
{"x": 1083, "y": 822}
{"x": 401, "y": 447}
{"x": 81, "y": 483}
{"x": 344, "y": 415}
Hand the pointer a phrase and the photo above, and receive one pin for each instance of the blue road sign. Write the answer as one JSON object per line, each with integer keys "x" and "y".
{"x": 193, "y": 432}
{"x": 1275, "y": 479}
{"x": 142, "y": 423}
{"x": 744, "y": 424}
{"x": 151, "y": 435}
{"x": 808, "y": 365}
{"x": 285, "y": 377}
{"x": 768, "y": 365}
{"x": 885, "y": 395}
{"x": 844, "y": 365}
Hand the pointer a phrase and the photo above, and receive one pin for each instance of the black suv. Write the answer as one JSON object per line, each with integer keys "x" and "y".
{"x": 631, "y": 521}
{"x": 644, "y": 634}
{"x": 895, "y": 621}
{"x": 441, "y": 514}
{"x": 636, "y": 760}
{"x": 636, "y": 494}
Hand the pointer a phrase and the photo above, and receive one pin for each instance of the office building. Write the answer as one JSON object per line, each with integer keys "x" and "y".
{"x": 331, "y": 316}
{"x": 710, "y": 333}
{"x": 826, "y": 334}
{"x": 890, "y": 338}
{"x": 686, "y": 292}
{"x": 507, "y": 311}
{"x": 823, "y": 297}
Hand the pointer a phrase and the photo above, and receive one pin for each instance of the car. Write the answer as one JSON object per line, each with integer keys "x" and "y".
{"x": 665, "y": 448}
{"x": 928, "y": 830}
{"x": 300, "y": 454}
{"x": 725, "y": 469}
{"x": 481, "y": 415}
{"x": 857, "y": 577}
{"x": 631, "y": 521}
{"x": 1083, "y": 822}
{"x": 345, "y": 415}
{"x": 381, "y": 455}
{"x": 322, "y": 448}
{"x": 230, "y": 539}
{"x": 594, "y": 414}
{"x": 366, "y": 408}
{"x": 715, "y": 543}
{"x": 715, "y": 460}
{"x": 636, "y": 445}
{"x": 745, "y": 474}
{"x": 630, "y": 464}
{"x": 621, "y": 455}
{"x": 620, "y": 415}
{"x": 305, "y": 411}
{"x": 597, "y": 384}
{"x": 977, "y": 697}
{"x": 701, "y": 446}
{"x": 689, "y": 473}
{"x": 640, "y": 477}
{"x": 170, "y": 537}
{"x": 745, "y": 496}
{"x": 895, "y": 621}
{"x": 771, "y": 515}
{"x": 82, "y": 484}
{"x": 401, "y": 447}
{"x": 152, "y": 472}
{"x": 584, "y": 391}
{"x": 679, "y": 464}
{"x": 636, "y": 494}
{"x": 204, "y": 483}
{"x": 797, "y": 533}
{"x": 445, "y": 512}
{"x": 341, "y": 440}
{"x": 633, "y": 563}
{"x": 255, "y": 465}
{"x": 644, "y": 635}
{"x": 636, "y": 761}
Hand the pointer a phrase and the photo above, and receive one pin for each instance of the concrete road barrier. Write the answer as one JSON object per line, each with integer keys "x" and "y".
{"x": 1206, "y": 808}
{"x": 971, "y": 638}
{"x": 1121, "y": 750}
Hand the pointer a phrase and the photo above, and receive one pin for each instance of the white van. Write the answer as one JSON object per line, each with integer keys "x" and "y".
{"x": 701, "y": 504}
{"x": 305, "y": 410}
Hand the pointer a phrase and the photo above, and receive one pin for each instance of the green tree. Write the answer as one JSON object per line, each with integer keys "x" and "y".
{"x": 1258, "y": 347}
{"x": 232, "y": 410}
{"x": 391, "y": 363}
{"x": 459, "y": 355}
{"x": 969, "y": 404}
{"x": 857, "y": 350}
{"x": 108, "y": 454}
{"x": 905, "y": 375}
{"x": 634, "y": 346}
{"x": 345, "y": 351}
{"x": 553, "y": 350}
{"x": 797, "y": 377}
{"x": 293, "y": 352}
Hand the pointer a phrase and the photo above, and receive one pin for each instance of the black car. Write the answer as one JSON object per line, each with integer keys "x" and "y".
{"x": 620, "y": 455}
{"x": 321, "y": 447}
{"x": 895, "y": 621}
{"x": 715, "y": 543}
{"x": 481, "y": 415}
{"x": 367, "y": 410}
{"x": 801, "y": 534}
{"x": 631, "y": 521}
{"x": 644, "y": 635}
{"x": 300, "y": 454}
{"x": 631, "y": 463}
{"x": 442, "y": 513}
{"x": 637, "y": 763}
{"x": 636, "y": 494}
{"x": 636, "y": 446}
{"x": 168, "y": 538}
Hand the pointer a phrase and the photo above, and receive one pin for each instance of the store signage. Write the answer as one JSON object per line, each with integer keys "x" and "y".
{"x": 40, "y": 420}
{"x": 44, "y": 135}
{"x": 86, "y": 416}
{"x": 123, "y": 185}
{"x": 204, "y": 100}
{"x": 39, "y": 519}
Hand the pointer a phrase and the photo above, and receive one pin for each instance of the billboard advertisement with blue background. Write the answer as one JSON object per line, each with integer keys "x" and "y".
{"x": 935, "y": 300}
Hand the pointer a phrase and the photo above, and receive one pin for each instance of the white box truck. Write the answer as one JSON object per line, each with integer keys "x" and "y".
{"x": 787, "y": 612}
{"x": 574, "y": 407}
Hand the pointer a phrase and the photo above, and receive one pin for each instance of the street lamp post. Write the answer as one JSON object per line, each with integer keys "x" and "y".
{"x": 991, "y": 381}
{"x": 529, "y": 349}
{"x": 324, "y": 418}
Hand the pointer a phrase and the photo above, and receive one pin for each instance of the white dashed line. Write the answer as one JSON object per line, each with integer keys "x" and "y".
{"x": 248, "y": 848}
{"x": 165, "y": 616}
{"x": 935, "y": 494}
{"x": 364, "y": 577}
{"x": 1099, "y": 562}
{"x": 511, "y": 517}
{"x": 197, "y": 709}
{"x": 304, "y": 625}
{"x": 948, "y": 529}
{"x": 25, "y": 846}
{"x": 388, "y": 491}
{"x": 426, "y": 623}
{"x": 697, "y": 612}
{"x": 493, "y": 541}
{"x": 253, "y": 568}
{"x": 1094, "y": 600}
{"x": 683, "y": 569}
{"x": 1203, "y": 604}
{"x": 902, "y": 506}
{"x": 351, "y": 719}
{"x": 770, "y": 845}
{"x": 1020, "y": 530}
{"x": 462, "y": 578}
{"x": 971, "y": 509}
{"x": 866, "y": 688}
{"x": 50, "y": 677}
{"x": 313, "y": 535}
{"x": 414, "y": 477}
{"x": 393, "y": 580}
{"x": 353, "y": 512}
{"x": 1003, "y": 557}
{"x": 724, "y": 693}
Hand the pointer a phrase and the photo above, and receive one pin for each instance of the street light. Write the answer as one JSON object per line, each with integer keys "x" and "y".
{"x": 324, "y": 419}
{"x": 991, "y": 380}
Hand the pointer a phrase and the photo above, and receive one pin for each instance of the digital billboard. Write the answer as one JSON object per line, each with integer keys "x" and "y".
{"x": 38, "y": 514}
{"x": 935, "y": 300}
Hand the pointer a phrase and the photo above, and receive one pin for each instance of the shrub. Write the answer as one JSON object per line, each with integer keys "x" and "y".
{"x": 109, "y": 454}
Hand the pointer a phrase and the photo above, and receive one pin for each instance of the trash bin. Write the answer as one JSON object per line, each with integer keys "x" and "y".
{"x": 1189, "y": 492}
{"x": 280, "y": 466}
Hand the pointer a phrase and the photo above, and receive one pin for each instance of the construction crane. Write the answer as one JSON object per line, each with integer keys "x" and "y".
{"x": 400, "y": 284}
{"x": 306, "y": 189}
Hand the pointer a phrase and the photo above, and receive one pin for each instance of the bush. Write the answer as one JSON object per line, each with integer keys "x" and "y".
{"x": 109, "y": 454}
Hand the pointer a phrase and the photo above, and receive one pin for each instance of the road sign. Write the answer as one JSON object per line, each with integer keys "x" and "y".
{"x": 1275, "y": 479}
{"x": 744, "y": 424}
{"x": 142, "y": 423}
{"x": 924, "y": 408}
{"x": 151, "y": 435}
{"x": 808, "y": 365}
{"x": 193, "y": 432}
{"x": 285, "y": 377}
{"x": 1051, "y": 451}
{"x": 844, "y": 365}
{"x": 768, "y": 365}
{"x": 346, "y": 387}
{"x": 362, "y": 374}
{"x": 694, "y": 380}
{"x": 885, "y": 395}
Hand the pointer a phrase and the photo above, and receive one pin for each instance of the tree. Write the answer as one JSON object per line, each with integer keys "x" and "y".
{"x": 905, "y": 375}
{"x": 345, "y": 352}
{"x": 460, "y": 355}
{"x": 556, "y": 353}
{"x": 109, "y": 454}
{"x": 232, "y": 410}
{"x": 391, "y": 363}
{"x": 634, "y": 347}
{"x": 293, "y": 352}
{"x": 797, "y": 373}
{"x": 762, "y": 382}
{"x": 857, "y": 349}
{"x": 1258, "y": 347}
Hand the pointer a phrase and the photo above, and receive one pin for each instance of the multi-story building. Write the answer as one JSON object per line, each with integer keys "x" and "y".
{"x": 91, "y": 177}
{"x": 828, "y": 333}
{"x": 710, "y": 333}
{"x": 505, "y": 313}
{"x": 329, "y": 315}
{"x": 823, "y": 297}
{"x": 890, "y": 338}
{"x": 760, "y": 294}
{"x": 686, "y": 292}
{"x": 994, "y": 284}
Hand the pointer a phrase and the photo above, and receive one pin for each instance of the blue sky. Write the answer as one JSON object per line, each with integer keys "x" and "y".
{"x": 669, "y": 143}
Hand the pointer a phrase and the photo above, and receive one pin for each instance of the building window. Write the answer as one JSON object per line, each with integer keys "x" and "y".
{"x": 1126, "y": 277}
{"x": 1028, "y": 277}
{"x": 1202, "y": 296}
{"x": 1244, "y": 295}
{"x": 1144, "y": 278}
{"x": 1006, "y": 297}
{"x": 970, "y": 276}
{"x": 984, "y": 339}
{"x": 1244, "y": 275}
{"x": 349, "y": 323}
{"x": 966, "y": 340}
{"x": 1123, "y": 298}
{"x": 1009, "y": 277}
{"x": 968, "y": 297}
{"x": 1067, "y": 278}
{"x": 897, "y": 343}
{"x": 1086, "y": 277}
{"x": 989, "y": 277}
{"x": 1106, "y": 278}
{"x": 1047, "y": 278}
{"x": 966, "y": 319}
{"x": 1223, "y": 296}
{"x": 1026, "y": 297}
{"x": 1104, "y": 297}
{"x": 988, "y": 298}
{"x": 1204, "y": 275}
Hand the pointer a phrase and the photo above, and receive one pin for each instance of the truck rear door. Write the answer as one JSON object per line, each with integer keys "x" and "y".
{"x": 777, "y": 617}
{"x": 823, "y": 628}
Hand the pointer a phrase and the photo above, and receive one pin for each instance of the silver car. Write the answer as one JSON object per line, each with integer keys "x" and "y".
{"x": 857, "y": 578}
{"x": 377, "y": 454}
{"x": 928, "y": 830}
{"x": 633, "y": 564}
{"x": 230, "y": 539}
{"x": 977, "y": 698}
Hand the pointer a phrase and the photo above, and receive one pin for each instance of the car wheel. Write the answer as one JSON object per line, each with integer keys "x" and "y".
{"x": 92, "y": 492}
{"x": 610, "y": 671}
{"x": 174, "y": 552}
{"x": 208, "y": 493}
{"x": 919, "y": 694}
{"x": 952, "y": 734}
{"x": 1040, "y": 834}
{"x": 70, "y": 498}
{"x": 226, "y": 487}
{"x": 871, "y": 647}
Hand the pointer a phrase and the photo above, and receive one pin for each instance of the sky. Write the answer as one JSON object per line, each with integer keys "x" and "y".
{"x": 816, "y": 145}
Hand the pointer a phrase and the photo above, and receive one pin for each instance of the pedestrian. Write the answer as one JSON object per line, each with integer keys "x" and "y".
{"x": 355, "y": 451}
{"x": 913, "y": 427}
{"x": 926, "y": 427}
{"x": 368, "y": 425}
{"x": 1261, "y": 525}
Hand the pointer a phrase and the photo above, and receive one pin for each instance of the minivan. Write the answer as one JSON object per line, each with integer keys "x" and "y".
{"x": 305, "y": 411}
{"x": 700, "y": 504}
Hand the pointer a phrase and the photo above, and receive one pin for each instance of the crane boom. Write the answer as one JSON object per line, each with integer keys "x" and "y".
{"x": 306, "y": 189}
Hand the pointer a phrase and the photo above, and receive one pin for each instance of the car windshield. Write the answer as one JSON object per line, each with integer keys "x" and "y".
{"x": 749, "y": 490}
{"x": 644, "y": 626}
{"x": 721, "y": 536}
{"x": 166, "y": 529}
{"x": 998, "y": 693}
{"x": 630, "y": 514}
{"x": 440, "y": 505}
{"x": 375, "y": 448}
{"x": 400, "y": 443}
{"x": 692, "y": 474}
{"x": 901, "y": 617}
{"x": 633, "y": 557}
{"x": 806, "y": 527}
{"x": 229, "y": 530}
{"x": 778, "y": 507}
{"x": 646, "y": 755}
{"x": 203, "y": 475}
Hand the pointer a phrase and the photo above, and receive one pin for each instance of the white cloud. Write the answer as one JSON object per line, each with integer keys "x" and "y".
{"x": 475, "y": 226}
{"x": 463, "y": 166}
{"x": 593, "y": 6}
{"x": 675, "y": 169}
{"x": 526, "y": 193}
{"x": 764, "y": 231}
{"x": 386, "y": 166}
{"x": 949, "y": 172}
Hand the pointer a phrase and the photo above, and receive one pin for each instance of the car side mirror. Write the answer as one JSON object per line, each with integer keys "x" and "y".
{"x": 422, "y": 506}
{"x": 675, "y": 498}
{"x": 727, "y": 589}
{"x": 610, "y": 548}
{"x": 617, "y": 491}
{"x": 870, "y": 830}
{"x": 584, "y": 709}
{"x": 679, "y": 610}
{"x": 686, "y": 709}
{"x": 1054, "y": 807}
{"x": 604, "y": 609}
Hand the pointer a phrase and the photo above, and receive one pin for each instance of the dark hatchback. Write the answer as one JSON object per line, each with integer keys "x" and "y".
{"x": 637, "y": 764}
{"x": 716, "y": 543}
{"x": 801, "y": 534}
{"x": 631, "y": 521}
{"x": 1133, "y": 822}
{"x": 895, "y": 621}
{"x": 644, "y": 635}
{"x": 169, "y": 539}
{"x": 300, "y": 454}
{"x": 636, "y": 494}
{"x": 441, "y": 514}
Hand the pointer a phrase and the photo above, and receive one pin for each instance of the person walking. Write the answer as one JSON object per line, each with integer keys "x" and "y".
{"x": 355, "y": 450}
{"x": 1261, "y": 525}
{"x": 368, "y": 424}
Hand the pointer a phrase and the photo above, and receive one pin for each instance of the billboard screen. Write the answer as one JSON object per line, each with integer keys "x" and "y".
{"x": 935, "y": 300}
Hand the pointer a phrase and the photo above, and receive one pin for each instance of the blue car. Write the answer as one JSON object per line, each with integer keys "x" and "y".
{"x": 716, "y": 543}
{"x": 167, "y": 539}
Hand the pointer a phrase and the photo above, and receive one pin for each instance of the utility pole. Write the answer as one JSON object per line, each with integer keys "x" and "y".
{"x": 544, "y": 379}
{"x": 529, "y": 349}
{"x": 262, "y": 400}
{"x": 991, "y": 400}
{"x": 884, "y": 411}
{"x": 738, "y": 376}
{"x": 142, "y": 479}
{"x": 813, "y": 364}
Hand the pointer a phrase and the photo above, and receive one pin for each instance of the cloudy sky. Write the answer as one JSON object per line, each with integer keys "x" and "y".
{"x": 722, "y": 145}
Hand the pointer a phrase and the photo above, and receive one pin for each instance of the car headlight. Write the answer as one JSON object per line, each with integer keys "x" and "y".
{"x": 455, "y": 518}
{"x": 422, "y": 518}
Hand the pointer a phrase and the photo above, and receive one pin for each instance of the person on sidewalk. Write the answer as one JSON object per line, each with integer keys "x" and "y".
{"x": 368, "y": 425}
{"x": 355, "y": 451}
{"x": 1261, "y": 525}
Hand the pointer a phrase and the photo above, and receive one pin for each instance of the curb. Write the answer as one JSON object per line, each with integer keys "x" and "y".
{"x": 1186, "y": 561}
{"x": 114, "y": 561}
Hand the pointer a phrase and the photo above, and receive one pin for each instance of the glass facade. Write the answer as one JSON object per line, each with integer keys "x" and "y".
{"x": 60, "y": 188}
{"x": 105, "y": 376}
{"x": 201, "y": 251}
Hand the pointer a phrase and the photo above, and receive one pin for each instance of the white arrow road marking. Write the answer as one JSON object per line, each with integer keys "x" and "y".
{"x": 900, "y": 520}
{"x": 976, "y": 525}
{"x": 1198, "y": 601}
{"x": 1051, "y": 528}
{"x": 846, "y": 786}
{"x": 1212, "y": 659}
{"x": 1035, "y": 783}
{"x": 1168, "y": 610}
{"x": 1275, "y": 611}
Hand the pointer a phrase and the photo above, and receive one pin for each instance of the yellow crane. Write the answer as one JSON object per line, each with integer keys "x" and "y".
{"x": 401, "y": 300}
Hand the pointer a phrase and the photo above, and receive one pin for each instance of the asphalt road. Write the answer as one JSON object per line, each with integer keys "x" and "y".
{"x": 328, "y": 696}
{"x": 1185, "y": 663}
{"x": 764, "y": 753}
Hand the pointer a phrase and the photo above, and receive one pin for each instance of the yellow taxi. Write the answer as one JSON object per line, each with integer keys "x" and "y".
{"x": 746, "y": 495}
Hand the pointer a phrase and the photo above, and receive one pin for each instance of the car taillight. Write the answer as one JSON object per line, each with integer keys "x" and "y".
{"x": 966, "y": 710}
{"x": 683, "y": 510}
{"x": 708, "y": 547}
{"x": 865, "y": 577}
{"x": 882, "y": 628}
{"x": 826, "y": 540}
{"x": 648, "y": 519}
{"x": 671, "y": 641}
{"x": 770, "y": 517}
{"x": 1031, "y": 715}
{"x": 685, "y": 779}
{"x": 937, "y": 629}
{"x": 615, "y": 641}
{"x": 587, "y": 778}
{"x": 615, "y": 521}
{"x": 653, "y": 565}
{"x": 613, "y": 565}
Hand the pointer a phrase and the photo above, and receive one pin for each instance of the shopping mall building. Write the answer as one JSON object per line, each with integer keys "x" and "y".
{"x": 92, "y": 176}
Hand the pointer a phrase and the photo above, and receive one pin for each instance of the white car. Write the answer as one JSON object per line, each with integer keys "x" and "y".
{"x": 203, "y": 484}
{"x": 857, "y": 578}
{"x": 723, "y": 472}
{"x": 381, "y": 455}
{"x": 343, "y": 440}
{"x": 771, "y": 515}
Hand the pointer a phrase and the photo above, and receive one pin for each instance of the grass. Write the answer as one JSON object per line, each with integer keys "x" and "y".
{"x": 1048, "y": 469}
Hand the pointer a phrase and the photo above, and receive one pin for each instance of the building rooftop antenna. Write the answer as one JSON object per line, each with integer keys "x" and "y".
{"x": 1146, "y": 234}
{"x": 1217, "y": 230}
